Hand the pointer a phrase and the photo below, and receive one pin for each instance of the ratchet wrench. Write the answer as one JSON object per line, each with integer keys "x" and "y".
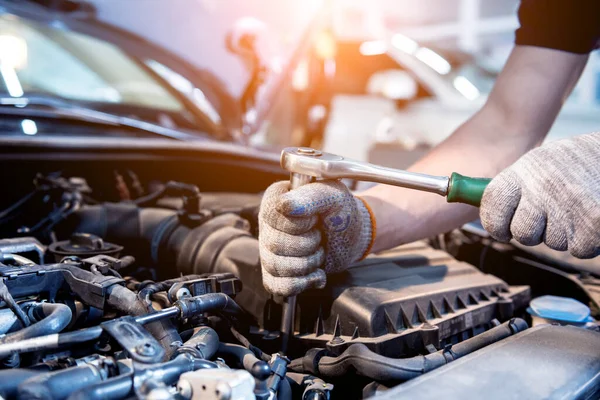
{"x": 306, "y": 164}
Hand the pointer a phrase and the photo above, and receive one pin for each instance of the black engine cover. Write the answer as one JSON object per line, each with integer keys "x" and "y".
{"x": 401, "y": 301}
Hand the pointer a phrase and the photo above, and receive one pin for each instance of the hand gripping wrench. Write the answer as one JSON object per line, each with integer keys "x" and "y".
{"x": 306, "y": 164}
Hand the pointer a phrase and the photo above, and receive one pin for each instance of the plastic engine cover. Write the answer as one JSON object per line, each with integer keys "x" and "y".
{"x": 545, "y": 362}
{"x": 401, "y": 301}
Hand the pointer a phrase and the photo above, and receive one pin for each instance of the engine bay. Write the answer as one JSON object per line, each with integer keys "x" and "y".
{"x": 142, "y": 288}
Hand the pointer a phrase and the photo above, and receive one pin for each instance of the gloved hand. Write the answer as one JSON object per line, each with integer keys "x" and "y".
{"x": 550, "y": 195}
{"x": 310, "y": 231}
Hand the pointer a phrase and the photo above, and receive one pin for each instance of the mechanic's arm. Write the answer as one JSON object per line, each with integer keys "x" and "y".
{"x": 321, "y": 227}
{"x": 522, "y": 107}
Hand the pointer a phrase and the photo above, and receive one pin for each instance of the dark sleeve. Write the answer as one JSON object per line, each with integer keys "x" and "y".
{"x": 568, "y": 25}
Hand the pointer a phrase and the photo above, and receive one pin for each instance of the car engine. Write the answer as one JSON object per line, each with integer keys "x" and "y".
{"x": 158, "y": 295}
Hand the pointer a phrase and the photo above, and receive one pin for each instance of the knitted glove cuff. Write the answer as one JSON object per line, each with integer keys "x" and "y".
{"x": 368, "y": 229}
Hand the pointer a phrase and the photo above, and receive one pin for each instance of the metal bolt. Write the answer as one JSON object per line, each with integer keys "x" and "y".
{"x": 183, "y": 292}
{"x": 146, "y": 350}
{"x": 307, "y": 151}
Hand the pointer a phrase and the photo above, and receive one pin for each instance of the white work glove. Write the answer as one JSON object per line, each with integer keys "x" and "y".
{"x": 550, "y": 195}
{"x": 305, "y": 233}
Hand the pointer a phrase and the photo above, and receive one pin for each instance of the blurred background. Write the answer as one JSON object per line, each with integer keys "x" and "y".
{"x": 438, "y": 60}
{"x": 382, "y": 81}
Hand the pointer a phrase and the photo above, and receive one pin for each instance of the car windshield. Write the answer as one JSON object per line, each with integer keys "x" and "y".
{"x": 40, "y": 59}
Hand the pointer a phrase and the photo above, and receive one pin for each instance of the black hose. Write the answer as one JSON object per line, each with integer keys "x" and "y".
{"x": 10, "y": 379}
{"x": 213, "y": 302}
{"x": 260, "y": 370}
{"x": 76, "y": 337}
{"x": 246, "y": 343}
{"x": 115, "y": 388}
{"x": 50, "y": 341}
{"x": 285, "y": 390}
{"x": 377, "y": 367}
{"x": 204, "y": 343}
{"x": 55, "y": 318}
{"x": 484, "y": 339}
{"x": 244, "y": 356}
{"x": 81, "y": 336}
{"x": 60, "y": 384}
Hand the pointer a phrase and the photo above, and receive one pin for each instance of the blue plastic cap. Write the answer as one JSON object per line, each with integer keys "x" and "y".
{"x": 560, "y": 309}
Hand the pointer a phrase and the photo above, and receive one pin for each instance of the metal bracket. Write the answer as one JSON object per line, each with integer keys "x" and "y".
{"x": 135, "y": 339}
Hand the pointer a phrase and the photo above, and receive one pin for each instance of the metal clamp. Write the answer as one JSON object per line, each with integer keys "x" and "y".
{"x": 137, "y": 341}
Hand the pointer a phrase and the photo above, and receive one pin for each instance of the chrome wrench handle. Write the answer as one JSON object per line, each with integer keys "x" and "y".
{"x": 317, "y": 164}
